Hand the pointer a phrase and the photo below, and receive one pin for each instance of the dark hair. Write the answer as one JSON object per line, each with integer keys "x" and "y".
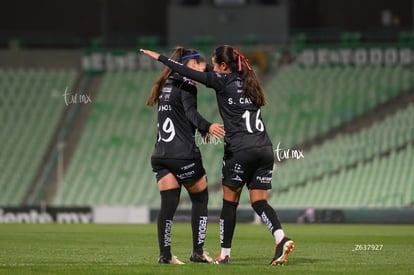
{"x": 181, "y": 55}
{"x": 239, "y": 63}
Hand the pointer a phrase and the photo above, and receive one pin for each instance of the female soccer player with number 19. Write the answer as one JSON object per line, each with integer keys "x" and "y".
{"x": 248, "y": 152}
{"x": 176, "y": 159}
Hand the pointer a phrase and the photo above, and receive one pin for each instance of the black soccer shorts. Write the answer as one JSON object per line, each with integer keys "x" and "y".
{"x": 253, "y": 167}
{"x": 185, "y": 171}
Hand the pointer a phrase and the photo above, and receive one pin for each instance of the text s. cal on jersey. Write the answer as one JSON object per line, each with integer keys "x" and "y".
{"x": 241, "y": 100}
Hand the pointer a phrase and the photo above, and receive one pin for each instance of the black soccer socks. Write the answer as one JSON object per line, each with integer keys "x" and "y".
{"x": 169, "y": 203}
{"x": 267, "y": 214}
{"x": 227, "y": 223}
{"x": 199, "y": 219}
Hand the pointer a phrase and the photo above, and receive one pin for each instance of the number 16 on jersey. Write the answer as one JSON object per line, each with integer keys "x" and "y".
{"x": 257, "y": 121}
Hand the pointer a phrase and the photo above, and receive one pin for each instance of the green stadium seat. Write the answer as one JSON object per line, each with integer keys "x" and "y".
{"x": 33, "y": 105}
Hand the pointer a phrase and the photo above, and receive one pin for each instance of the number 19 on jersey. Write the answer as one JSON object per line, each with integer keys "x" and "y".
{"x": 167, "y": 131}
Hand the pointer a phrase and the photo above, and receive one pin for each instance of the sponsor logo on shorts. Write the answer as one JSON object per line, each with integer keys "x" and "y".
{"x": 237, "y": 169}
{"x": 264, "y": 179}
{"x": 186, "y": 175}
{"x": 237, "y": 178}
{"x": 188, "y": 166}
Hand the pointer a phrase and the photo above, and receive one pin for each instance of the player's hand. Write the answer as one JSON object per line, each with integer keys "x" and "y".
{"x": 216, "y": 130}
{"x": 154, "y": 55}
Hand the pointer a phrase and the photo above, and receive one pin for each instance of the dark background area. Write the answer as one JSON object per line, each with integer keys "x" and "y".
{"x": 350, "y": 15}
{"x": 127, "y": 19}
{"x": 86, "y": 18}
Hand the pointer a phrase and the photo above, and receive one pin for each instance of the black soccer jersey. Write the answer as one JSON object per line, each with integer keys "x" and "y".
{"x": 242, "y": 119}
{"x": 178, "y": 119}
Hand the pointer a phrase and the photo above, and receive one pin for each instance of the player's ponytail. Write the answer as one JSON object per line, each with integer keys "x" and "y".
{"x": 237, "y": 62}
{"x": 181, "y": 55}
{"x": 157, "y": 87}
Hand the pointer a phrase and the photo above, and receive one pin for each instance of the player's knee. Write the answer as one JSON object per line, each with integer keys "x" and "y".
{"x": 170, "y": 198}
{"x": 200, "y": 197}
{"x": 259, "y": 206}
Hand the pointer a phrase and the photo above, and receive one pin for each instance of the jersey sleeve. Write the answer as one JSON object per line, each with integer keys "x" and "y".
{"x": 207, "y": 78}
{"x": 189, "y": 101}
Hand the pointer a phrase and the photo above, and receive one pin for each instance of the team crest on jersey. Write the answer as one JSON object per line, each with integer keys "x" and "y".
{"x": 165, "y": 95}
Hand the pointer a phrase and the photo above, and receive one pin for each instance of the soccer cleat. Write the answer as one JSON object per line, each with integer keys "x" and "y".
{"x": 225, "y": 260}
{"x": 173, "y": 260}
{"x": 282, "y": 251}
{"x": 200, "y": 258}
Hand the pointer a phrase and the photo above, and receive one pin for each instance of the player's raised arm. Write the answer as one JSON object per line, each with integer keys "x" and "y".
{"x": 206, "y": 78}
{"x": 152, "y": 54}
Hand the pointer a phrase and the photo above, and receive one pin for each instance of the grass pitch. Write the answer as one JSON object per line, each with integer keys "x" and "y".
{"x": 133, "y": 249}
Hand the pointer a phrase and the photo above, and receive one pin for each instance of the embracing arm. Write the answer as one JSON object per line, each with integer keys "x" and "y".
{"x": 189, "y": 103}
{"x": 207, "y": 78}
{"x": 204, "y": 127}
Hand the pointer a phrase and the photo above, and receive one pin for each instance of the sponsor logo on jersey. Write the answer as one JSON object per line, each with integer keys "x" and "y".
{"x": 176, "y": 62}
{"x": 165, "y": 95}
